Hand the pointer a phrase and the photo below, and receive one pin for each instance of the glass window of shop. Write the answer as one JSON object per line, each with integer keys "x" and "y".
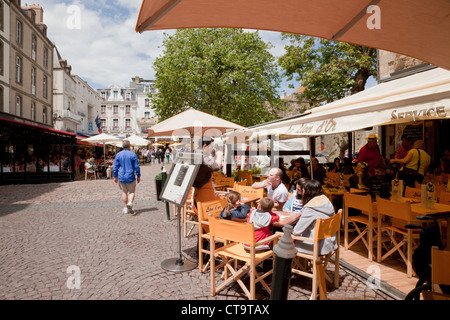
{"x": 30, "y": 150}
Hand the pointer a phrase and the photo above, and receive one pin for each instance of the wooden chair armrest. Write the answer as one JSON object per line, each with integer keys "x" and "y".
{"x": 279, "y": 233}
{"x": 268, "y": 239}
{"x": 302, "y": 239}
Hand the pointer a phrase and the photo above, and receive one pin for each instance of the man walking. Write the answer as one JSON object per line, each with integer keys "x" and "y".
{"x": 125, "y": 170}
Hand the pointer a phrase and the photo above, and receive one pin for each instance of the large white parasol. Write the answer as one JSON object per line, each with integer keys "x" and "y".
{"x": 102, "y": 138}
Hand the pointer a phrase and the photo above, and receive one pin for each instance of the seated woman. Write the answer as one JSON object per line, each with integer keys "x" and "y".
{"x": 315, "y": 205}
{"x": 336, "y": 166}
{"x": 347, "y": 167}
{"x": 235, "y": 210}
{"x": 294, "y": 203}
{"x": 359, "y": 179}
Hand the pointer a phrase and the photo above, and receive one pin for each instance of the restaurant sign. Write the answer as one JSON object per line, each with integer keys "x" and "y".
{"x": 437, "y": 112}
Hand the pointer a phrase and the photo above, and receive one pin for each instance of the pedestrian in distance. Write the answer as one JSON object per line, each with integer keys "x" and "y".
{"x": 127, "y": 174}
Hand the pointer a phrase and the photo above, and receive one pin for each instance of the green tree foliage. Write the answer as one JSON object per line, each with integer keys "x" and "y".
{"x": 328, "y": 70}
{"x": 228, "y": 73}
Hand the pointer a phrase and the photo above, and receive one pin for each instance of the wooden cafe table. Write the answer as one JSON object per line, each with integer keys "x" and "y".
{"x": 250, "y": 201}
{"x": 439, "y": 211}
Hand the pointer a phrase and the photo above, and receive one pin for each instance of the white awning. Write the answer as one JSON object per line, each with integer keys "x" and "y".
{"x": 422, "y": 96}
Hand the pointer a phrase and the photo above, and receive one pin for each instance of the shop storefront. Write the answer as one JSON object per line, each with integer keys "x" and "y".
{"x": 35, "y": 154}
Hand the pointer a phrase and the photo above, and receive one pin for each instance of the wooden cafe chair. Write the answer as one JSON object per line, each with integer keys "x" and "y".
{"x": 364, "y": 223}
{"x": 206, "y": 210}
{"x": 246, "y": 175}
{"x": 440, "y": 275}
{"x": 189, "y": 215}
{"x": 249, "y": 192}
{"x": 325, "y": 228}
{"x": 413, "y": 192}
{"x": 444, "y": 197}
{"x": 440, "y": 260}
{"x": 236, "y": 184}
{"x": 237, "y": 234}
{"x": 402, "y": 239}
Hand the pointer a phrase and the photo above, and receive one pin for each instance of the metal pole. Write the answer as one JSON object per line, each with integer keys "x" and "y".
{"x": 284, "y": 252}
{"x": 163, "y": 181}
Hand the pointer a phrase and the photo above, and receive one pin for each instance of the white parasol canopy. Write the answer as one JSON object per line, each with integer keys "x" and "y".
{"x": 137, "y": 141}
{"x": 194, "y": 124}
{"x": 102, "y": 138}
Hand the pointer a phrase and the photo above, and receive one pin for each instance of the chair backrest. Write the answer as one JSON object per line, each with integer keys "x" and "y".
{"x": 440, "y": 260}
{"x": 210, "y": 208}
{"x": 248, "y": 191}
{"x": 412, "y": 192}
{"x": 228, "y": 181}
{"x": 326, "y": 228}
{"x": 245, "y": 175}
{"x": 357, "y": 201}
{"x": 395, "y": 209}
{"x": 217, "y": 174}
{"x": 239, "y": 183}
{"x": 444, "y": 197}
{"x": 232, "y": 230}
{"x": 334, "y": 178}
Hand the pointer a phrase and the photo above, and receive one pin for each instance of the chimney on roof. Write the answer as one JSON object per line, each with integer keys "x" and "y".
{"x": 39, "y": 19}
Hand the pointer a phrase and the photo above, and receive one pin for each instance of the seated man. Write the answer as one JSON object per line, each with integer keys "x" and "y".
{"x": 276, "y": 190}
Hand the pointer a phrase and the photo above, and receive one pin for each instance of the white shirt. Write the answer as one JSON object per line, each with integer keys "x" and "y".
{"x": 279, "y": 194}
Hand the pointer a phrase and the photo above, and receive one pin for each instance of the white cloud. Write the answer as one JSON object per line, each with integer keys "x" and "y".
{"x": 98, "y": 38}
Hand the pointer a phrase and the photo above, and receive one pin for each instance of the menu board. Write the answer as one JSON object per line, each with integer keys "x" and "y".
{"x": 413, "y": 131}
{"x": 180, "y": 179}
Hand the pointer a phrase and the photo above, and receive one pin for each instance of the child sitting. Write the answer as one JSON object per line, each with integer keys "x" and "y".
{"x": 262, "y": 218}
{"x": 235, "y": 210}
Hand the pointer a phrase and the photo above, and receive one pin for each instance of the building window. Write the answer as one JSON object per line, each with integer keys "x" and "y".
{"x": 1, "y": 15}
{"x": 33, "y": 111}
{"x": 127, "y": 124}
{"x": 115, "y": 124}
{"x": 19, "y": 70}
{"x": 33, "y": 47}
{"x": 1, "y": 55}
{"x": 116, "y": 95}
{"x": 147, "y": 102}
{"x": 103, "y": 123}
{"x": 147, "y": 115}
{"x": 33, "y": 80}
{"x": 18, "y": 106}
{"x": 45, "y": 57}
{"x": 115, "y": 109}
{"x": 44, "y": 86}
{"x": 103, "y": 109}
{"x": 1, "y": 99}
{"x": 127, "y": 109}
{"x": 44, "y": 115}
{"x": 19, "y": 32}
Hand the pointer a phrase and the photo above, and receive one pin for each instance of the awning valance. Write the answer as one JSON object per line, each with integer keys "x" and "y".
{"x": 422, "y": 96}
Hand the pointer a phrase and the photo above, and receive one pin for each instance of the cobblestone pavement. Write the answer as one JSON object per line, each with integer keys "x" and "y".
{"x": 53, "y": 232}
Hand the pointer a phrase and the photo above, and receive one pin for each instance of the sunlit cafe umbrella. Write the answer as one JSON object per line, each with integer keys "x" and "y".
{"x": 102, "y": 138}
{"x": 416, "y": 28}
{"x": 192, "y": 123}
{"x": 137, "y": 141}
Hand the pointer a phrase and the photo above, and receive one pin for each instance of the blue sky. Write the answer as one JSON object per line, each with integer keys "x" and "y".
{"x": 98, "y": 40}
